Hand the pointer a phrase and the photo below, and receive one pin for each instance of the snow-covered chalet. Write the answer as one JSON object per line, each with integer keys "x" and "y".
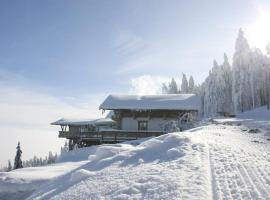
{"x": 132, "y": 117}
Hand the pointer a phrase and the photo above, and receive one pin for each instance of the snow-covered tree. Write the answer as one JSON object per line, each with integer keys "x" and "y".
{"x": 164, "y": 88}
{"x": 51, "y": 158}
{"x": 172, "y": 88}
{"x": 9, "y": 167}
{"x": 231, "y": 89}
{"x": 217, "y": 90}
{"x": 241, "y": 81}
{"x": 226, "y": 104}
{"x": 184, "y": 85}
{"x": 250, "y": 74}
{"x": 64, "y": 149}
{"x": 18, "y": 161}
{"x": 191, "y": 85}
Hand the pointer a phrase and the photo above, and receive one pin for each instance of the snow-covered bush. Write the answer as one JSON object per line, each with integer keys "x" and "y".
{"x": 171, "y": 126}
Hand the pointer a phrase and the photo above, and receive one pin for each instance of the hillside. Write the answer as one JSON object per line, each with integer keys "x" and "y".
{"x": 225, "y": 160}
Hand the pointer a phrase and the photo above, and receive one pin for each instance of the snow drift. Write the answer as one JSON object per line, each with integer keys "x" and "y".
{"x": 156, "y": 168}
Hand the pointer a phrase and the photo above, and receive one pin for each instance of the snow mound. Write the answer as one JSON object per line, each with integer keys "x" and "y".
{"x": 80, "y": 174}
{"x": 20, "y": 183}
{"x": 175, "y": 152}
{"x": 107, "y": 151}
{"x": 257, "y": 118}
{"x": 160, "y": 149}
{"x": 147, "y": 169}
{"x": 260, "y": 113}
{"x": 77, "y": 154}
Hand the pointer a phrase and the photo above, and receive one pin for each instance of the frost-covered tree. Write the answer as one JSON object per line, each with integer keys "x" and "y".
{"x": 18, "y": 161}
{"x": 9, "y": 167}
{"x": 210, "y": 101}
{"x": 241, "y": 82}
{"x": 172, "y": 88}
{"x": 250, "y": 74}
{"x": 64, "y": 149}
{"x": 267, "y": 76}
{"x": 51, "y": 158}
{"x": 226, "y": 104}
{"x": 184, "y": 85}
{"x": 231, "y": 89}
{"x": 217, "y": 90}
{"x": 191, "y": 85}
{"x": 164, "y": 88}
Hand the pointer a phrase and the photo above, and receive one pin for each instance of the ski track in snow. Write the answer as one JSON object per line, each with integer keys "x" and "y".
{"x": 240, "y": 167}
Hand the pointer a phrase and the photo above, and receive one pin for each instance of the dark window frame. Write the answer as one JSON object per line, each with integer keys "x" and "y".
{"x": 142, "y": 125}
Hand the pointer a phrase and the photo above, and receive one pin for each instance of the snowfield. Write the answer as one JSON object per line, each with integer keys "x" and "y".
{"x": 18, "y": 184}
{"x": 229, "y": 159}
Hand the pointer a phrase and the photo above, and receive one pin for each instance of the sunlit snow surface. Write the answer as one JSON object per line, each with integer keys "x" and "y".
{"x": 214, "y": 161}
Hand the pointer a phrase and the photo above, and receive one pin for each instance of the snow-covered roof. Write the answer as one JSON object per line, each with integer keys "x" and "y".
{"x": 95, "y": 122}
{"x": 152, "y": 102}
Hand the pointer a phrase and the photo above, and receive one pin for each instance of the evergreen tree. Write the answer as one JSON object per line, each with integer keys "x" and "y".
{"x": 227, "y": 104}
{"x": 241, "y": 87}
{"x": 172, "y": 89}
{"x": 50, "y": 158}
{"x": 9, "y": 168}
{"x": 217, "y": 97}
{"x": 164, "y": 88}
{"x": 191, "y": 85}
{"x": 18, "y": 161}
{"x": 184, "y": 85}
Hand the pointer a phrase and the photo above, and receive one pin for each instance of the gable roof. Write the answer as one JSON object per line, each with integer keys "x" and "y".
{"x": 152, "y": 102}
{"x": 81, "y": 122}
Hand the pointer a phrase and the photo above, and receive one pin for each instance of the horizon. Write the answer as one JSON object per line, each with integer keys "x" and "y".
{"x": 64, "y": 64}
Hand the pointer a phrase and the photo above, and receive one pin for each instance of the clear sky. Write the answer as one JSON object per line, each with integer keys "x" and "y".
{"x": 61, "y": 58}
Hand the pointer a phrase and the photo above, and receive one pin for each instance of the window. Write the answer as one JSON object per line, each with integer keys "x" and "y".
{"x": 142, "y": 125}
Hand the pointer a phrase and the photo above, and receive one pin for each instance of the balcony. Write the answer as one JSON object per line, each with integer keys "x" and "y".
{"x": 110, "y": 136}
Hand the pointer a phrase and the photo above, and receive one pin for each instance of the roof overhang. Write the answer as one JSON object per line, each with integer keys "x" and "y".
{"x": 152, "y": 102}
{"x": 82, "y": 122}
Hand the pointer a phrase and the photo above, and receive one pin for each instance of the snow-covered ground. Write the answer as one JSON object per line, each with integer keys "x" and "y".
{"x": 18, "y": 184}
{"x": 257, "y": 118}
{"x": 229, "y": 159}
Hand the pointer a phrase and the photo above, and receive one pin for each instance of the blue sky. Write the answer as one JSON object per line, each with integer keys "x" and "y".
{"x": 61, "y": 58}
{"x": 78, "y": 46}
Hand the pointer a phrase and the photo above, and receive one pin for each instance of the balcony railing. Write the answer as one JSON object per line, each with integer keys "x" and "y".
{"x": 110, "y": 135}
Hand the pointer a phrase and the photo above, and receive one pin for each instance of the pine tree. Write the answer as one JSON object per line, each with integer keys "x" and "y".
{"x": 50, "y": 158}
{"x": 172, "y": 89}
{"x": 191, "y": 85}
{"x": 216, "y": 93}
{"x": 241, "y": 86}
{"x": 164, "y": 88}
{"x": 226, "y": 105}
{"x": 184, "y": 85}
{"x": 18, "y": 161}
{"x": 9, "y": 168}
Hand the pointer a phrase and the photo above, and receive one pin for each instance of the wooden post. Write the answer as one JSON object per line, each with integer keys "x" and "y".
{"x": 70, "y": 144}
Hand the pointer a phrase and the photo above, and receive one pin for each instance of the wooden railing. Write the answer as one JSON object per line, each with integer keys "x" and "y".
{"x": 109, "y": 136}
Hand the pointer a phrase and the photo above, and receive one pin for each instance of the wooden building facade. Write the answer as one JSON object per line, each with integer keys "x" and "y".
{"x": 133, "y": 117}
